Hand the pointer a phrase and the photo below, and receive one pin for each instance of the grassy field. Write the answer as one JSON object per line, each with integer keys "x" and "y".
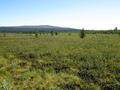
{"x": 61, "y": 62}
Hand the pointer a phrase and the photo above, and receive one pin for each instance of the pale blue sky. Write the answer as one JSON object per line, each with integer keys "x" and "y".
{"x": 90, "y": 14}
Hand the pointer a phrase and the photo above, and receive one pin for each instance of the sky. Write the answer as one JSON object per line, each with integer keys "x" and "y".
{"x": 88, "y": 14}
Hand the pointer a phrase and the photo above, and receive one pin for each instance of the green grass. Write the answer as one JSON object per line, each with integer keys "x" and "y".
{"x": 62, "y": 62}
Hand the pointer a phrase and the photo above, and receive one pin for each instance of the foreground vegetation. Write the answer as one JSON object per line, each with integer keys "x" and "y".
{"x": 59, "y": 62}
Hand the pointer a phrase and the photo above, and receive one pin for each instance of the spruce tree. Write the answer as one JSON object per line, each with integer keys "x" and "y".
{"x": 36, "y": 35}
{"x": 82, "y": 33}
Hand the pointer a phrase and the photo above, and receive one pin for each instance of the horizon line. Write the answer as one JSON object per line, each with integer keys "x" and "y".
{"x": 54, "y": 26}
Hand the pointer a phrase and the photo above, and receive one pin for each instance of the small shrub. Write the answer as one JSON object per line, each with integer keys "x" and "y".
{"x": 69, "y": 34}
{"x": 88, "y": 76}
{"x": 61, "y": 68}
{"x": 70, "y": 86}
{"x": 27, "y": 55}
{"x": 22, "y": 64}
{"x": 4, "y": 34}
{"x": 111, "y": 87}
{"x": 56, "y": 33}
{"x": 91, "y": 86}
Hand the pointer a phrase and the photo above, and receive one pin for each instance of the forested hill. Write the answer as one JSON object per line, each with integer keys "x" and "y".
{"x": 40, "y": 28}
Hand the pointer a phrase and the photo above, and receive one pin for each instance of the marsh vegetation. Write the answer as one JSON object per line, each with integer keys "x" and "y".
{"x": 60, "y": 61}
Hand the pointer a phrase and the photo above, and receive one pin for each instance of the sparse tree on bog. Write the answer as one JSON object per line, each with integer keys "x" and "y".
{"x": 36, "y": 35}
{"x": 115, "y": 29}
{"x": 51, "y": 33}
{"x": 82, "y": 33}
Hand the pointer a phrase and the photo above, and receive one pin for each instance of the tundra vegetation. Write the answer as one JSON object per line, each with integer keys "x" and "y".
{"x": 63, "y": 61}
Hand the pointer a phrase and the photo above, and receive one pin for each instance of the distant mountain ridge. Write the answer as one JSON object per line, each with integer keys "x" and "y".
{"x": 39, "y": 26}
{"x": 36, "y": 28}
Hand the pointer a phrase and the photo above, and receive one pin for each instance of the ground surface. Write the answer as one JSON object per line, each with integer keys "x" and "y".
{"x": 62, "y": 62}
